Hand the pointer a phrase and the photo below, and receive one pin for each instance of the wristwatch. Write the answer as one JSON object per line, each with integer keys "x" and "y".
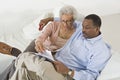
{"x": 70, "y": 72}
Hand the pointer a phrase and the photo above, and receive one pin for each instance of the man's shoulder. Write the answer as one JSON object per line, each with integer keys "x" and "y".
{"x": 78, "y": 24}
{"x": 102, "y": 47}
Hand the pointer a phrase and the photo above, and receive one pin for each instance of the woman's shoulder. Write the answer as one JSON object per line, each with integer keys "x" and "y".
{"x": 53, "y": 25}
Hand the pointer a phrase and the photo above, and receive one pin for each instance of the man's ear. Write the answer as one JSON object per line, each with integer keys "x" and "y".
{"x": 98, "y": 29}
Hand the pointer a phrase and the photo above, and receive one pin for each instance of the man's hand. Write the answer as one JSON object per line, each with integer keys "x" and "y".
{"x": 60, "y": 67}
{"x": 43, "y": 22}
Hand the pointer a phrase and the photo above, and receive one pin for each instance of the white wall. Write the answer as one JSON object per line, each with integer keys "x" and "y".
{"x": 111, "y": 30}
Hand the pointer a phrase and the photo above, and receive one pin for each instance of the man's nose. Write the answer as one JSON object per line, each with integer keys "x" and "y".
{"x": 83, "y": 30}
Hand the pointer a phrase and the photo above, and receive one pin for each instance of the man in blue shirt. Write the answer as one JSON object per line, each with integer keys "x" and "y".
{"x": 88, "y": 54}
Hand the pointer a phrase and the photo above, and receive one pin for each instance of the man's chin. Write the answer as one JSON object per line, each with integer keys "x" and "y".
{"x": 85, "y": 35}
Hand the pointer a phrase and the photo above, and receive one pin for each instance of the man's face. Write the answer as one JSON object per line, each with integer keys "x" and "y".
{"x": 67, "y": 20}
{"x": 89, "y": 30}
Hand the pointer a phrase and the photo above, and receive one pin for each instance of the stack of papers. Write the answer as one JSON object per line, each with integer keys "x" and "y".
{"x": 47, "y": 54}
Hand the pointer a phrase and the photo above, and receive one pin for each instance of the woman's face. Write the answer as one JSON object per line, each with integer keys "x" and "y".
{"x": 67, "y": 20}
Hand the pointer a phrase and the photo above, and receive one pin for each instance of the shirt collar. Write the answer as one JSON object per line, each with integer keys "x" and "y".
{"x": 93, "y": 40}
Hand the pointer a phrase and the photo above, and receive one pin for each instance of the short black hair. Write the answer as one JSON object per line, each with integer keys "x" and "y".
{"x": 95, "y": 18}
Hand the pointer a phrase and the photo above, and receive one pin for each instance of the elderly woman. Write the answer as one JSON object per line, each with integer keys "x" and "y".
{"x": 56, "y": 34}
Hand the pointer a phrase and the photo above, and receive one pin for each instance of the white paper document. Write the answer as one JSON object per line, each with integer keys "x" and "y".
{"x": 47, "y": 54}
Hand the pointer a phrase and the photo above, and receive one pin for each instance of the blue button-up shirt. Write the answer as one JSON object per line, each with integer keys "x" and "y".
{"x": 87, "y": 57}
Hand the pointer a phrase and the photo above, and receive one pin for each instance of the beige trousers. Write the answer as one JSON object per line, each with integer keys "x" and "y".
{"x": 31, "y": 67}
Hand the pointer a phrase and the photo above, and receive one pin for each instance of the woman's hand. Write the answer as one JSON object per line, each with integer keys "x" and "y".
{"x": 39, "y": 47}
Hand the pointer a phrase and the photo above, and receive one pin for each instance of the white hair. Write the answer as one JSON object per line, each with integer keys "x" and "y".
{"x": 68, "y": 10}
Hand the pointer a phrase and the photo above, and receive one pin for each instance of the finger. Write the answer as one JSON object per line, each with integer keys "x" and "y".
{"x": 41, "y": 26}
{"x": 42, "y": 49}
{"x": 55, "y": 62}
{"x": 37, "y": 49}
{"x": 56, "y": 67}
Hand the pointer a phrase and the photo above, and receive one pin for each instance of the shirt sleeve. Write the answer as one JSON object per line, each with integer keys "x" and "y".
{"x": 95, "y": 65}
{"x": 45, "y": 33}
